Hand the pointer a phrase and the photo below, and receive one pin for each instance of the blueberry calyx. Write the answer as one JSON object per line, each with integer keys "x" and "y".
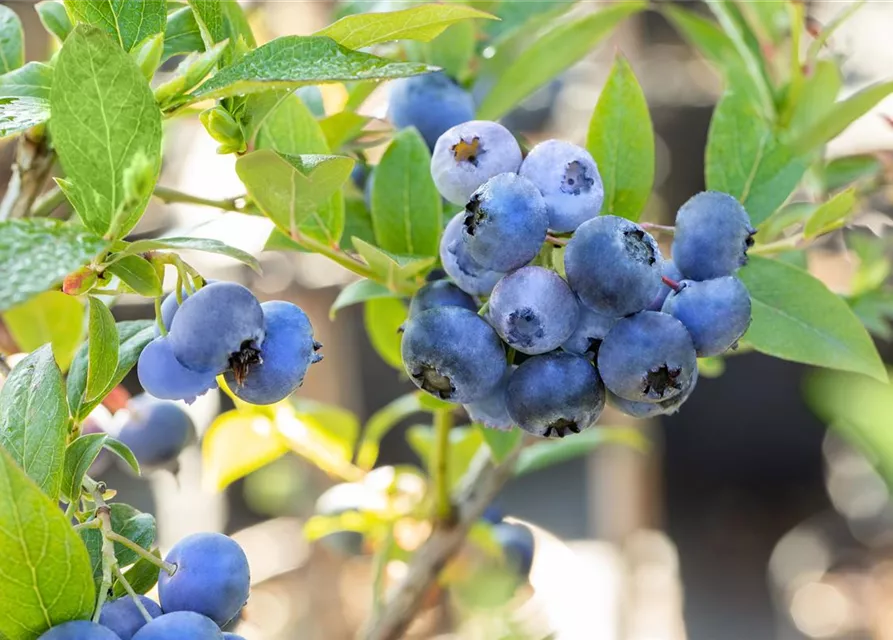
{"x": 474, "y": 214}
{"x": 242, "y": 360}
{"x": 636, "y": 247}
{"x": 660, "y": 380}
{"x": 525, "y": 328}
{"x": 576, "y": 180}
{"x": 434, "y": 382}
{"x": 465, "y": 151}
{"x": 561, "y": 428}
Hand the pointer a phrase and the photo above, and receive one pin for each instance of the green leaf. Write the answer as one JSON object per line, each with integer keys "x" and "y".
{"x": 816, "y": 98}
{"x": 384, "y": 317}
{"x": 237, "y": 24}
{"x": 134, "y": 525}
{"x": 122, "y": 451}
{"x": 12, "y": 40}
{"x": 104, "y": 116}
{"x": 238, "y": 443}
{"x": 47, "y": 578}
{"x": 875, "y": 310}
{"x": 501, "y": 443}
{"x": 181, "y": 34}
{"x": 795, "y": 317}
{"x": 831, "y": 214}
{"x": 102, "y": 358}
{"x": 133, "y": 336}
{"x": 142, "y": 576}
{"x": 336, "y": 429}
{"x": 357, "y": 223}
{"x": 746, "y": 160}
{"x": 34, "y": 419}
{"x": 79, "y": 455}
{"x": 52, "y": 317}
{"x": 189, "y": 73}
{"x": 206, "y": 245}
{"x": 209, "y": 17}
{"x": 54, "y": 18}
{"x": 19, "y": 113}
{"x": 381, "y": 422}
{"x": 138, "y": 274}
{"x": 551, "y": 54}
{"x": 423, "y": 23}
{"x": 621, "y": 136}
{"x": 129, "y": 23}
{"x": 342, "y": 127}
{"x": 453, "y": 50}
{"x": 841, "y": 172}
{"x": 36, "y": 254}
{"x": 292, "y": 61}
{"x": 391, "y": 267}
{"x": 357, "y": 292}
{"x": 545, "y": 454}
{"x": 464, "y": 442}
{"x": 33, "y": 80}
{"x": 291, "y": 128}
{"x": 147, "y": 55}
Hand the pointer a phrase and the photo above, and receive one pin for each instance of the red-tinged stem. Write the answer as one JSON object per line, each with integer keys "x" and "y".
{"x": 558, "y": 242}
{"x": 675, "y": 286}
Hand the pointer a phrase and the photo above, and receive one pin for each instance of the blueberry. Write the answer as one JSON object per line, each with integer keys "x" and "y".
{"x": 647, "y": 357}
{"x": 469, "y": 154}
{"x": 218, "y": 327}
{"x": 286, "y": 353}
{"x": 180, "y": 625}
{"x": 555, "y": 394}
{"x": 670, "y": 271}
{"x": 492, "y": 411}
{"x": 212, "y": 578}
{"x": 492, "y": 514}
{"x": 613, "y": 265}
{"x": 432, "y": 103}
{"x": 505, "y": 223}
{"x": 156, "y": 430}
{"x": 713, "y": 234}
{"x": 343, "y": 498}
{"x": 453, "y": 354}
{"x": 162, "y": 375}
{"x": 170, "y": 306}
{"x": 591, "y": 329}
{"x": 122, "y": 616}
{"x": 651, "y": 409}
{"x": 440, "y": 293}
{"x": 533, "y": 310}
{"x": 232, "y": 636}
{"x": 79, "y": 630}
{"x": 569, "y": 180}
{"x": 359, "y": 175}
{"x": 468, "y": 275}
{"x": 715, "y": 312}
{"x": 517, "y": 545}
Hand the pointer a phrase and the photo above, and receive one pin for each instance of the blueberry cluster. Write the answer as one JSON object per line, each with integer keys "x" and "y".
{"x": 626, "y": 325}
{"x": 207, "y": 590}
{"x": 262, "y": 350}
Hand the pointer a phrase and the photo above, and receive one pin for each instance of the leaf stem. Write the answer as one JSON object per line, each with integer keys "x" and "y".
{"x": 47, "y": 203}
{"x": 133, "y": 594}
{"x": 443, "y": 508}
{"x": 238, "y": 204}
{"x": 109, "y": 562}
{"x": 158, "y": 319}
{"x": 171, "y": 569}
{"x": 89, "y": 524}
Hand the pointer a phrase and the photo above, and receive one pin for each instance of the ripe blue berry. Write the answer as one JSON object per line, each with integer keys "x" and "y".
{"x": 468, "y": 275}
{"x": 232, "y": 636}
{"x": 713, "y": 234}
{"x": 453, "y": 354}
{"x": 440, "y": 293}
{"x": 492, "y": 411}
{"x": 180, "y": 625}
{"x": 286, "y": 353}
{"x": 671, "y": 272}
{"x": 469, "y": 154}
{"x": 613, "y": 265}
{"x": 79, "y": 630}
{"x": 569, "y": 180}
{"x": 591, "y": 329}
{"x": 517, "y": 545}
{"x": 170, "y": 306}
{"x": 505, "y": 223}
{"x": 162, "y": 375}
{"x": 212, "y": 577}
{"x": 533, "y": 310}
{"x": 122, "y": 616}
{"x": 715, "y": 312}
{"x": 555, "y": 394}
{"x": 220, "y": 326}
{"x": 651, "y": 409}
{"x": 432, "y": 103}
{"x": 647, "y": 357}
{"x": 156, "y": 430}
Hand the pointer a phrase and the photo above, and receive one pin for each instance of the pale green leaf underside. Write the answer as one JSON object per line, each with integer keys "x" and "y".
{"x": 19, "y": 113}
{"x": 33, "y": 80}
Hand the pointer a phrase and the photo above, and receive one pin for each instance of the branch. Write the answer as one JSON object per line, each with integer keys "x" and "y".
{"x": 484, "y": 481}
{"x": 33, "y": 164}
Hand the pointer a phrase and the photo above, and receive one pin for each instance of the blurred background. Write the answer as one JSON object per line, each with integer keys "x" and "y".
{"x": 748, "y": 517}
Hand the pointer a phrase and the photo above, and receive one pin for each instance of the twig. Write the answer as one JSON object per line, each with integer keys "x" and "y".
{"x": 103, "y": 514}
{"x": 5, "y": 369}
{"x": 484, "y": 482}
{"x": 33, "y": 164}
{"x": 169, "y": 196}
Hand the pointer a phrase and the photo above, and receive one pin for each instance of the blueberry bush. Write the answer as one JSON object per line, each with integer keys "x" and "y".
{"x": 514, "y": 285}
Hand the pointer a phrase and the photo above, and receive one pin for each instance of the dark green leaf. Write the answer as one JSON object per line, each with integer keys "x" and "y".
{"x": 33, "y": 80}
{"x": 464, "y": 443}
{"x": 621, "y": 136}
{"x": 831, "y": 214}
{"x": 79, "y": 455}
{"x": 745, "y": 159}
{"x": 51, "y": 317}
{"x": 104, "y": 118}
{"x": 875, "y": 311}
{"x": 123, "y": 451}
{"x": 138, "y": 274}
{"x": 391, "y": 267}
{"x": 128, "y": 22}
{"x": 102, "y": 354}
{"x": 551, "y": 54}
{"x": 357, "y": 223}
{"x": 237, "y": 24}
{"x": 133, "y": 336}
{"x": 841, "y": 172}
{"x": 381, "y": 422}
{"x": 209, "y": 17}
{"x": 207, "y": 245}
{"x": 501, "y": 443}
{"x": 12, "y": 40}
{"x": 47, "y": 578}
{"x": 142, "y": 576}
{"x": 384, "y": 317}
{"x": 182, "y": 35}
{"x": 54, "y": 18}
{"x": 134, "y": 525}
{"x": 292, "y": 61}
{"x": 18, "y": 113}
{"x": 423, "y": 23}
{"x": 34, "y": 419}
{"x": 357, "y": 292}
{"x": 795, "y": 317}
{"x": 545, "y": 454}
{"x": 36, "y": 254}
{"x": 407, "y": 210}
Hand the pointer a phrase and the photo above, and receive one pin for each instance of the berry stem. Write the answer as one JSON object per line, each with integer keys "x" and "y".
{"x": 171, "y": 569}
{"x": 169, "y": 196}
{"x": 443, "y": 508}
{"x": 661, "y": 228}
{"x": 560, "y": 242}
{"x": 109, "y": 562}
{"x": 158, "y": 320}
{"x": 675, "y": 286}
{"x": 122, "y": 579}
